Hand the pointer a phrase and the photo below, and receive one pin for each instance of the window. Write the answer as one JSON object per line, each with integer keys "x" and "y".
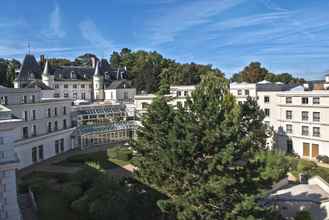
{"x": 304, "y": 116}
{"x": 83, "y": 96}
{"x": 40, "y": 148}
{"x": 57, "y": 95}
{"x": 25, "y": 99}
{"x": 289, "y": 115}
{"x": 185, "y": 93}
{"x": 62, "y": 145}
{"x": 179, "y": 104}
{"x": 25, "y": 132}
{"x": 289, "y": 129}
{"x": 316, "y": 116}
{"x": 34, "y": 130}
{"x": 125, "y": 95}
{"x": 239, "y": 92}
{"x": 33, "y": 98}
{"x": 246, "y": 92}
{"x": 316, "y": 132}
{"x": 75, "y": 95}
{"x": 57, "y": 146}
{"x": 56, "y": 86}
{"x": 305, "y": 130}
{"x": 55, "y": 126}
{"x": 82, "y": 86}
{"x": 66, "y": 95}
{"x": 34, "y": 155}
{"x": 75, "y": 86}
{"x": 34, "y": 115}
{"x": 316, "y": 100}
{"x": 144, "y": 105}
{"x": 49, "y": 112}
{"x": 66, "y": 86}
{"x": 1, "y": 141}
{"x": 267, "y": 112}
{"x": 90, "y": 86}
{"x": 290, "y": 147}
{"x": 55, "y": 110}
{"x": 266, "y": 99}
{"x": 179, "y": 93}
{"x": 304, "y": 100}
{"x": 64, "y": 124}
{"x": 26, "y": 116}
{"x": 64, "y": 110}
{"x": 49, "y": 127}
{"x": 4, "y": 100}
{"x": 288, "y": 100}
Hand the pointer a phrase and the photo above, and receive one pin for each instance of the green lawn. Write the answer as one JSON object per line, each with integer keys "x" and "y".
{"x": 112, "y": 158}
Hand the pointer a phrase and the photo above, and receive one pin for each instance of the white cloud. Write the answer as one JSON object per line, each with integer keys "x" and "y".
{"x": 91, "y": 33}
{"x": 186, "y": 16}
{"x": 55, "y": 29}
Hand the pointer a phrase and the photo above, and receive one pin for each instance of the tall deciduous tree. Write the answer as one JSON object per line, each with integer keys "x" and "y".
{"x": 203, "y": 156}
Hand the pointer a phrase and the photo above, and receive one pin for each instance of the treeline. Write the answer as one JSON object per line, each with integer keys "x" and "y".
{"x": 254, "y": 73}
{"x": 7, "y": 71}
{"x": 150, "y": 71}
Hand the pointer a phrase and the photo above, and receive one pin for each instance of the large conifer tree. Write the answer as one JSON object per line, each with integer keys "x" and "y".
{"x": 203, "y": 156}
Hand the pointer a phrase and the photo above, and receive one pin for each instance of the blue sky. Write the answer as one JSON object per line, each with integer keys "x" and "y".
{"x": 285, "y": 35}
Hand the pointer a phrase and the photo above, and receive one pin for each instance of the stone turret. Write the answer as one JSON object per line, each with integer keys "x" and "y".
{"x": 98, "y": 84}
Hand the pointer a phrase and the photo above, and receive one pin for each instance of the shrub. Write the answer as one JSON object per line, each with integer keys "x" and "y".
{"x": 86, "y": 177}
{"x": 120, "y": 154}
{"x": 72, "y": 191}
{"x": 324, "y": 159}
{"x": 305, "y": 166}
{"x": 303, "y": 215}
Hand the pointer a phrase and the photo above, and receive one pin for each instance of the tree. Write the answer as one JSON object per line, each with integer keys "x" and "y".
{"x": 253, "y": 73}
{"x": 203, "y": 157}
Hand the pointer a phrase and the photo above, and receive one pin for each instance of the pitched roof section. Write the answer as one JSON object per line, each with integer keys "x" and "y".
{"x": 120, "y": 84}
{"x": 30, "y": 69}
{"x": 38, "y": 84}
{"x": 270, "y": 87}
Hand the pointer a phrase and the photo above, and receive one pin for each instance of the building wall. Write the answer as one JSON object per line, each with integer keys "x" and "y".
{"x": 24, "y": 148}
{"x": 296, "y": 122}
{"x": 8, "y": 163}
{"x": 74, "y": 89}
{"x": 34, "y": 129}
{"x": 118, "y": 95}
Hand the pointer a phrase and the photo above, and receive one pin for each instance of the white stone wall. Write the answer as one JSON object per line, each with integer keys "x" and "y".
{"x": 24, "y": 147}
{"x": 78, "y": 87}
{"x": 118, "y": 95}
{"x": 8, "y": 164}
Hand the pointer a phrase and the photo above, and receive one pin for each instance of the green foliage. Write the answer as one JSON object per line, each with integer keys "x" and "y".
{"x": 123, "y": 154}
{"x": 71, "y": 191}
{"x": 276, "y": 165}
{"x": 305, "y": 166}
{"x": 254, "y": 73}
{"x": 86, "y": 177}
{"x": 303, "y": 215}
{"x": 204, "y": 157}
{"x": 7, "y": 71}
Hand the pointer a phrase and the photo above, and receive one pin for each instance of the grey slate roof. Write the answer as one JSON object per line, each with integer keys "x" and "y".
{"x": 38, "y": 84}
{"x": 275, "y": 87}
{"x": 119, "y": 84}
{"x": 30, "y": 69}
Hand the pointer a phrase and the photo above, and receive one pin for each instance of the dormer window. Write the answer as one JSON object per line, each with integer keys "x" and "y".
{"x": 73, "y": 75}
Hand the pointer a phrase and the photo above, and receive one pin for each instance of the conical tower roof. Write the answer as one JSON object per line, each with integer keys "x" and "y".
{"x": 46, "y": 69}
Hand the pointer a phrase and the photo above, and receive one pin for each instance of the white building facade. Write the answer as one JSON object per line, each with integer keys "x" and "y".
{"x": 299, "y": 116}
{"x": 9, "y": 162}
{"x": 46, "y": 128}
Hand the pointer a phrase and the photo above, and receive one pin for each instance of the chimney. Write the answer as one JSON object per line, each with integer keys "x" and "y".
{"x": 42, "y": 59}
{"x": 93, "y": 62}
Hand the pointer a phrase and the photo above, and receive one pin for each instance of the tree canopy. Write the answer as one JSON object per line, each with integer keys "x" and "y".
{"x": 204, "y": 156}
{"x": 254, "y": 73}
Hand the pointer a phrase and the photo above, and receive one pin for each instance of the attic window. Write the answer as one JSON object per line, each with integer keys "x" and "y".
{"x": 73, "y": 75}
